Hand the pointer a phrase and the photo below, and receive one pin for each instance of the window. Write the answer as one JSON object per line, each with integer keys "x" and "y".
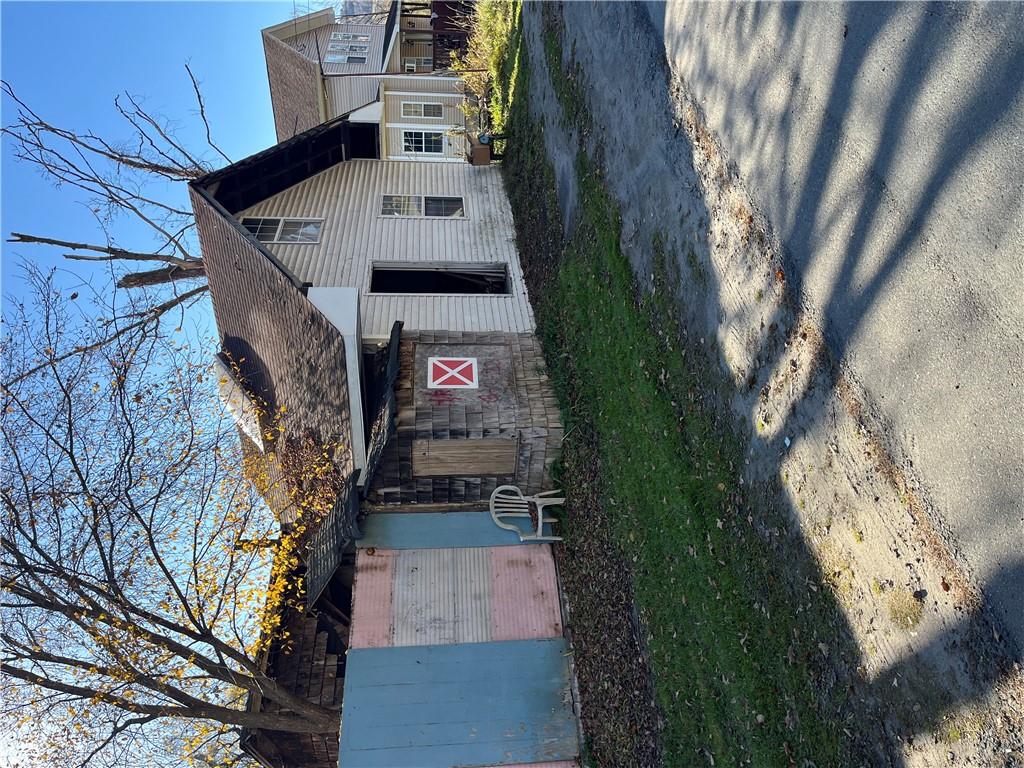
{"x": 299, "y": 231}
{"x": 423, "y": 142}
{"x": 347, "y": 48}
{"x": 418, "y": 63}
{"x": 439, "y": 278}
{"x": 264, "y": 230}
{"x": 339, "y": 58}
{"x": 354, "y": 37}
{"x": 402, "y": 205}
{"x": 417, "y": 206}
{"x": 421, "y": 109}
{"x": 443, "y": 207}
{"x": 276, "y": 230}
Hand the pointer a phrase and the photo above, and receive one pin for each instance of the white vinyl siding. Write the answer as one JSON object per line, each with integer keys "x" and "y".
{"x": 345, "y": 94}
{"x": 316, "y": 45}
{"x": 348, "y": 198}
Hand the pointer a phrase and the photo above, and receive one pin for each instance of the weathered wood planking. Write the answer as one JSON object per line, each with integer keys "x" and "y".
{"x": 484, "y": 457}
{"x": 436, "y": 706}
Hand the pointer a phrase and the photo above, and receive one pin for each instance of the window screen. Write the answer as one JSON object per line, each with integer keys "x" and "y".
{"x": 425, "y": 142}
{"x": 347, "y": 47}
{"x": 419, "y": 109}
{"x": 275, "y": 230}
{"x": 350, "y": 36}
{"x": 401, "y": 205}
{"x": 443, "y": 207}
{"x": 264, "y": 230}
{"x": 341, "y": 58}
{"x": 299, "y": 231}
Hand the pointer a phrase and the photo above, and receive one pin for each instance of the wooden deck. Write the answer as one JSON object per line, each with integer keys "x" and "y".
{"x": 457, "y": 656}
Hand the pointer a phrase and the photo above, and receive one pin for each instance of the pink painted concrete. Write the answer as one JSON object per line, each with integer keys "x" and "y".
{"x": 524, "y": 593}
{"x": 371, "y": 599}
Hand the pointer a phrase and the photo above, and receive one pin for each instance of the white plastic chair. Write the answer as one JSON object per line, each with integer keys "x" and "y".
{"x": 508, "y": 501}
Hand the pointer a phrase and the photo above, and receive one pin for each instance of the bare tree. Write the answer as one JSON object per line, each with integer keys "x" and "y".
{"x": 141, "y": 176}
{"x": 139, "y": 590}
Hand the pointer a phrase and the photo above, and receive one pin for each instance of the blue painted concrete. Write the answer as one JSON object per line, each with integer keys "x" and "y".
{"x": 435, "y": 530}
{"x": 472, "y": 704}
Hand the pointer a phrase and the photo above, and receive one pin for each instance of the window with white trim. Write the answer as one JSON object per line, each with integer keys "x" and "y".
{"x": 277, "y": 230}
{"x": 418, "y": 63}
{"x": 402, "y": 205}
{"x": 429, "y": 109}
{"x": 423, "y": 142}
{"x": 340, "y": 58}
{"x": 352, "y": 36}
{"x": 428, "y": 206}
{"x": 347, "y": 48}
{"x": 443, "y": 208}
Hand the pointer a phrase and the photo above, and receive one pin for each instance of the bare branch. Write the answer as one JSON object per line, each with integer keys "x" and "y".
{"x": 113, "y": 252}
{"x": 147, "y": 317}
{"x": 202, "y": 114}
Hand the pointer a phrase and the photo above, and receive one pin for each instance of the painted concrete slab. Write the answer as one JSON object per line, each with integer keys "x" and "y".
{"x": 525, "y": 601}
{"x": 435, "y": 530}
{"x": 459, "y": 595}
{"x": 371, "y": 599}
{"x": 472, "y": 704}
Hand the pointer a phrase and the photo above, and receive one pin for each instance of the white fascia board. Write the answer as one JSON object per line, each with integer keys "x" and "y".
{"x": 300, "y": 24}
{"x": 341, "y": 307}
{"x": 371, "y": 113}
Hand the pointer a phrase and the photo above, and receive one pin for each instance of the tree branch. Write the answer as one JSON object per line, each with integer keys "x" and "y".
{"x": 147, "y": 317}
{"x": 112, "y": 252}
{"x": 202, "y": 114}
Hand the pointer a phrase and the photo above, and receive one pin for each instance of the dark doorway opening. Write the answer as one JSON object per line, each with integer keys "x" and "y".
{"x": 440, "y": 278}
{"x": 364, "y": 140}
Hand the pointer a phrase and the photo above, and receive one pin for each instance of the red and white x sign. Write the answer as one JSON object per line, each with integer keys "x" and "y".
{"x": 452, "y": 373}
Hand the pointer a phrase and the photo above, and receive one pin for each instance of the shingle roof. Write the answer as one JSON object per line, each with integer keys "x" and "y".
{"x": 288, "y": 353}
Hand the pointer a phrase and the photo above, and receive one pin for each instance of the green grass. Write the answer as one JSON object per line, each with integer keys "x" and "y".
{"x": 740, "y": 632}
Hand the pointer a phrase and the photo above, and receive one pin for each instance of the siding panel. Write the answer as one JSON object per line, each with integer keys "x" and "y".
{"x": 307, "y": 44}
{"x": 348, "y": 198}
{"x": 345, "y": 94}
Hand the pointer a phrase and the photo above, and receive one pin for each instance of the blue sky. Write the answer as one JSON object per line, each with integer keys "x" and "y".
{"x": 69, "y": 60}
